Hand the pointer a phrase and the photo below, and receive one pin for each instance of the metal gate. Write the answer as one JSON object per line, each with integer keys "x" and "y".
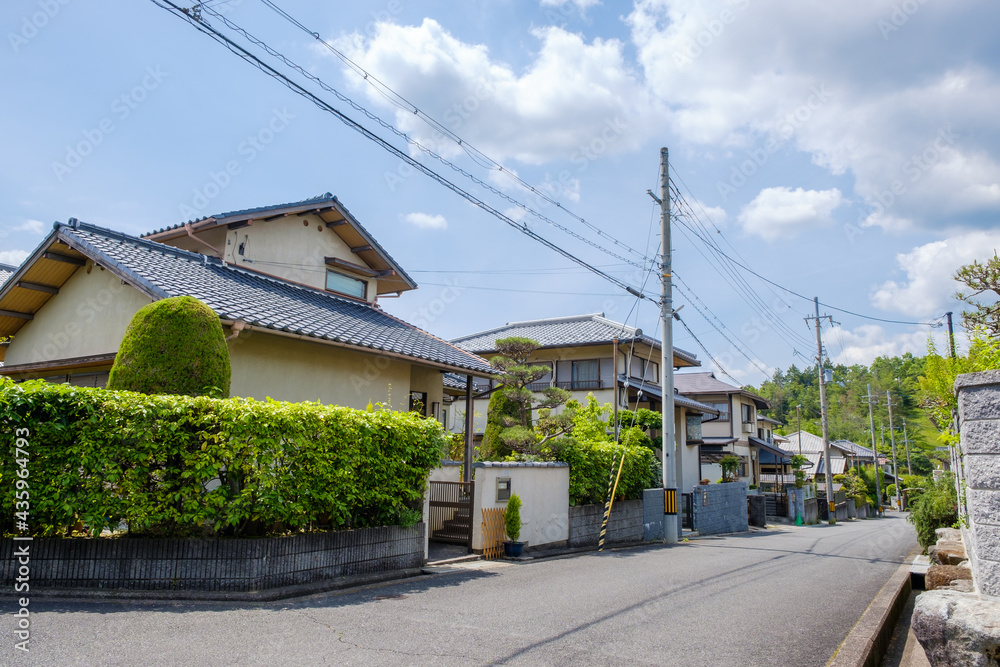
{"x": 451, "y": 512}
{"x": 687, "y": 511}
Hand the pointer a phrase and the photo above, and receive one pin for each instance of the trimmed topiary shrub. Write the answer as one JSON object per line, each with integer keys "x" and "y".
{"x": 500, "y": 409}
{"x": 173, "y": 346}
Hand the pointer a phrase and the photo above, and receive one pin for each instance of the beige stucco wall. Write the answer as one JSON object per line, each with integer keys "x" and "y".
{"x": 294, "y": 248}
{"x": 428, "y": 380}
{"x": 295, "y": 370}
{"x": 544, "y": 494}
{"x": 88, "y": 317}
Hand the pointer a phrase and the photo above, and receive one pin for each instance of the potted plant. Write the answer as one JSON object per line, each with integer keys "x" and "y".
{"x": 512, "y": 548}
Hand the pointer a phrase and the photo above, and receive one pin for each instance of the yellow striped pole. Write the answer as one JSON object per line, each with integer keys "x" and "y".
{"x": 611, "y": 500}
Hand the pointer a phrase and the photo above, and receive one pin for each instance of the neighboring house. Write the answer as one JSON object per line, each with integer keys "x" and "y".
{"x": 844, "y": 454}
{"x": 590, "y": 354}
{"x": 738, "y": 430}
{"x": 295, "y": 286}
{"x": 6, "y": 271}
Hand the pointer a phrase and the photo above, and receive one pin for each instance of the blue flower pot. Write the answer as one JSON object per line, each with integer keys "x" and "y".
{"x": 513, "y": 549}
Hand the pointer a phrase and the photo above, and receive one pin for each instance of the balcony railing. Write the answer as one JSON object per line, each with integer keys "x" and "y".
{"x": 581, "y": 384}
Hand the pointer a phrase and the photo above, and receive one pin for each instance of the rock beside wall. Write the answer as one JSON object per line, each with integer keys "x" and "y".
{"x": 957, "y": 629}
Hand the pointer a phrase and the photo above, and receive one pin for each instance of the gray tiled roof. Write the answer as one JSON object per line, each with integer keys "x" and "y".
{"x": 456, "y": 381}
{"x": 562, "y": 332}
{"x": 261, "y": 301}
{"x": 325, "y": 198}
{"x": 697, "y": 384}
{"x": 6, "y": 271}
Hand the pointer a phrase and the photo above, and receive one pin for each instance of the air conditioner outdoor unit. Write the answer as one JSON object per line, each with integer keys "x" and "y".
{"x": 748, "y": 428}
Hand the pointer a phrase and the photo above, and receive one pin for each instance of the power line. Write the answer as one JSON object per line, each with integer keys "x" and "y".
{"x": 402, "y": 103}
{"x": 742, "y": 265}
{"x": 248, "y": 57}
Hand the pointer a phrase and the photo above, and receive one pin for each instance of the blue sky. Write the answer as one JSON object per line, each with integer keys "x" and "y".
{"x": 847, "y": 151}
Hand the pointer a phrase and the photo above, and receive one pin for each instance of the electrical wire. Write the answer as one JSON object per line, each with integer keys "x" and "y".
{"x": 484, "y": 160}
{"x": 428, "y": 151}
{"x": 203, "y": 27}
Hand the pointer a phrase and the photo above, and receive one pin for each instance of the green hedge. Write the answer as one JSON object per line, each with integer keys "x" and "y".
{"x": 590, "y": 468}
{"x": 102, "y": 457}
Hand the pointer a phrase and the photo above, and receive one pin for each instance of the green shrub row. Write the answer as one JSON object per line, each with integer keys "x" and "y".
{"x": 590, "y": 469}
{"x": 178, "y": 465}
{"x": 935, "y": 507}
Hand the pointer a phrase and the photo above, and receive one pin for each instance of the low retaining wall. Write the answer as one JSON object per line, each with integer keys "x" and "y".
{"x": 757, "y": 511}
{"x": 250, "y": 564}
{"x": 625, "y": 524}
{"x": 852, "y": 510}
{"x": 721, "y": 508}
{"x": 811, "y": 511}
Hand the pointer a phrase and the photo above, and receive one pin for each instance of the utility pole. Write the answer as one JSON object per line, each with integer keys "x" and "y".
{"x": 951, "y": 335}
{"x": 906, "y": 441}
{"x": 798, "y": 414}
{"x": 871, "y": 424}
{"x": 671, "y": 469}
{"x": 822, "y": 405}
{"x": 892, "y": 439}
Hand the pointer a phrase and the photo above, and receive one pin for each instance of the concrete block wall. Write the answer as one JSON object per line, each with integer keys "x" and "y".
{"x": 721, "y": 508}
{"x": 625, "y": 525}
{"x": 979, "y": 416}
{"x": 246, "y": 564}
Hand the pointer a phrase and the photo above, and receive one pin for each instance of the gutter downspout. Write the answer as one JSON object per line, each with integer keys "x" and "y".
{"x": 237, "y": 327}
{"x": 187, "y": 228}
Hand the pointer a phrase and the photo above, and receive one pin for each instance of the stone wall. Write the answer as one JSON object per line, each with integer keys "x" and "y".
{"x": 757, "y": 510}
{"x": 979, "y": 473}
{"x": 625, "y": 525}
{"x": 721, "y": 508}
{"x": 811, "y": 514}
{"x": 250, "y": 564}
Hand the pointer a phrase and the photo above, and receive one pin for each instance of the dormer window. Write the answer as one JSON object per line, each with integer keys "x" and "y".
{"x": 346, "y": 285}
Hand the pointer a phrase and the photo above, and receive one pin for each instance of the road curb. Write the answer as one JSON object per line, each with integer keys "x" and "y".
{"x": 866, "y": 643}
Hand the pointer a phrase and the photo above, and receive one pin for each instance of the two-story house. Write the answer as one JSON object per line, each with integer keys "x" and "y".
{"x": 295, "y": 285}
{"x": 738, "y": 430}
{"x": 590, "y": 354}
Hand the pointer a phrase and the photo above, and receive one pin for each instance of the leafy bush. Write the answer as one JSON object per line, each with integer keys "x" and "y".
{"x": 590, "y": 469}
{"x": 729, "y": 464}
{"x": 179, "y": 465}
{"x": 512, "y": 518}
{"x": 173, "y": 346}
{"x": 936, "y": 508}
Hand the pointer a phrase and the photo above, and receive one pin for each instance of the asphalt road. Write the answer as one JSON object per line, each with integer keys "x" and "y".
{"x": 787, "y": 597}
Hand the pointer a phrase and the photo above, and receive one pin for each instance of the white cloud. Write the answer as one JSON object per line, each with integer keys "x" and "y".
{"x": 36, "y": 227}
{"x": 736, "y": 73}
{"x": 582, "y": 5}
{"x": 426, "y": 221}
{"x": 929, "y": 286}
{"x": 576, "y": 101}
{"x": 782, "y": 212}
{"x": 13, "y": 257}
{"x": 863, "y": 344}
